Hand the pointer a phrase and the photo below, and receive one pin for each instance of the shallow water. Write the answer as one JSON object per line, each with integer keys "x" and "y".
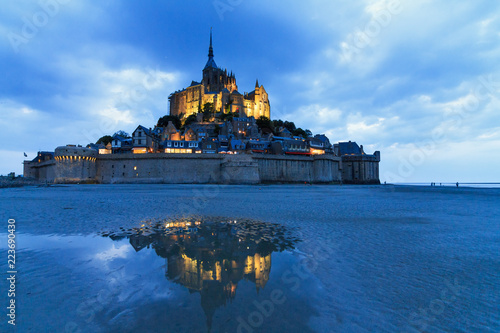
{"x": 317, "y": 258}
{"x": 186, "y": 275}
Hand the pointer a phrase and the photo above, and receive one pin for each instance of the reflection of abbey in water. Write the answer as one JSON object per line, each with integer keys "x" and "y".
{"x": 212, "y": 253}
{"x": 211, "y": 258}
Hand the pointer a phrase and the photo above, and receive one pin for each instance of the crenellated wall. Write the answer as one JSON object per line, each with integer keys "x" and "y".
{"x": 76, "y": 166}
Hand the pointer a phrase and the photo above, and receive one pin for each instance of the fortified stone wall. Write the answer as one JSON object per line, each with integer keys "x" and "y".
{"x": 71, "y": 166}
{"x": 75, "y": 165}
{"x": 327, "y": 169}
{"x": 239, "y": 169}
{"x": 29, "y": 170}
{"x": 295, "y": 169}
{"x": 44, "y": 171}
{"x": 361, "y": 169}
{"x": 285, "y": 169}
{"x": 159, "y": 168}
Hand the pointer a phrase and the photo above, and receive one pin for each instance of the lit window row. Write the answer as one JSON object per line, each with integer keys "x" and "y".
{"x": 75, "y": 158}
{"x": 140, "y": 150}
{"x": 178, "y": 151}
{"x": 317, "y": 151}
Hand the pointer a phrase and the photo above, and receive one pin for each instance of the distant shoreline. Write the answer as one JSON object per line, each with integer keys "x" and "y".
{"x": 8, "y": 182}
{"x": 465, "y": 184}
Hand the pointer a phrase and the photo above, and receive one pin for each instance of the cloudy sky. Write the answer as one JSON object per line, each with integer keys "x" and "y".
{"x": 417, "y": 80}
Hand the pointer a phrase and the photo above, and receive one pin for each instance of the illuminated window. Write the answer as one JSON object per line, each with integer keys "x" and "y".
{"x": 139, "y": 150}
{"x": 135, "y": 168}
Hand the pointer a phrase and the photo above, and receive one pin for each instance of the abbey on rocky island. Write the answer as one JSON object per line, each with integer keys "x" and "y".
{"x": 219, "y": 88}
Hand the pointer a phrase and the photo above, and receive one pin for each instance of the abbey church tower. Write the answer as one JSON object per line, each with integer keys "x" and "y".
{"x": 215, "y": 79}
{"x": 219, "y": 87}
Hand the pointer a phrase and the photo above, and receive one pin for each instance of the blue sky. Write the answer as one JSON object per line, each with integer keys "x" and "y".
{"x": 417, "y": 80}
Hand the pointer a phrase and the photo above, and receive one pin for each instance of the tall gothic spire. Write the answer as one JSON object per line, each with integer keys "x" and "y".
{"x": 210, "y": 49}
{"x": 211, "y": 61}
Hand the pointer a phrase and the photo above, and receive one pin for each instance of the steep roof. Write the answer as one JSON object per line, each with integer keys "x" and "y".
{"x": 43, "y": 155}
{"x": 210, "y": 63}
{"x": 348, "y": 148}
{"x": 284, "y": 130}
{"x": 144, "y": 129}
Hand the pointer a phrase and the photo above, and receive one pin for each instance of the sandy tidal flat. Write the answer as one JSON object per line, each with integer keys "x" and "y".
{"x": 362, "y": 259}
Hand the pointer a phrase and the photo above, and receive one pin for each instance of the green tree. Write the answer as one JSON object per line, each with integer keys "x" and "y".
{"x": 228, "y": 116}
{"x": 300, "y": 132}
{"x": 208, "y": 110}
{"x": 123, "y": 134}
{"x": 217, "y": 129}
{"x": 308, "y": 133}
{"x": 289, "y": 125}
{"x": 163, "y": 121}
{"x": 105, "y": 140}
{"x": 189, "y": 120}
{"x": 277, "y": 123}
{"x": 227, "y": 107}
{"x": 264, "y": 122}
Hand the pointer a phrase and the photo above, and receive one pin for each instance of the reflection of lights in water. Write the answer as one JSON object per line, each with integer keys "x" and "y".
{"x": 212, "y": 256}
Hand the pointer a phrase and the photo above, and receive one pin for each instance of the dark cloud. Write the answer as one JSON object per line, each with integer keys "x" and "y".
{"x": 416, "y": 72}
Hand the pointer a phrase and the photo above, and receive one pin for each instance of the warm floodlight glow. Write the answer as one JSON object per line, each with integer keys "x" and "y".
{"x": 317, "y": 151}
{"x": 140, "y": 150}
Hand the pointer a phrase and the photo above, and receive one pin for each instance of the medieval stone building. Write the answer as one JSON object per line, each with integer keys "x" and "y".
{"x": 219, "y": 88}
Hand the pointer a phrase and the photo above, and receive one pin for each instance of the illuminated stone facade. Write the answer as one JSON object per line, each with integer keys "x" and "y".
{"x": 219, "y": 87}
{"x": 75, "y": 164}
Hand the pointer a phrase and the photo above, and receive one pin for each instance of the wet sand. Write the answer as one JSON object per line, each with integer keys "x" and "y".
{"x": 374, "y": 258}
